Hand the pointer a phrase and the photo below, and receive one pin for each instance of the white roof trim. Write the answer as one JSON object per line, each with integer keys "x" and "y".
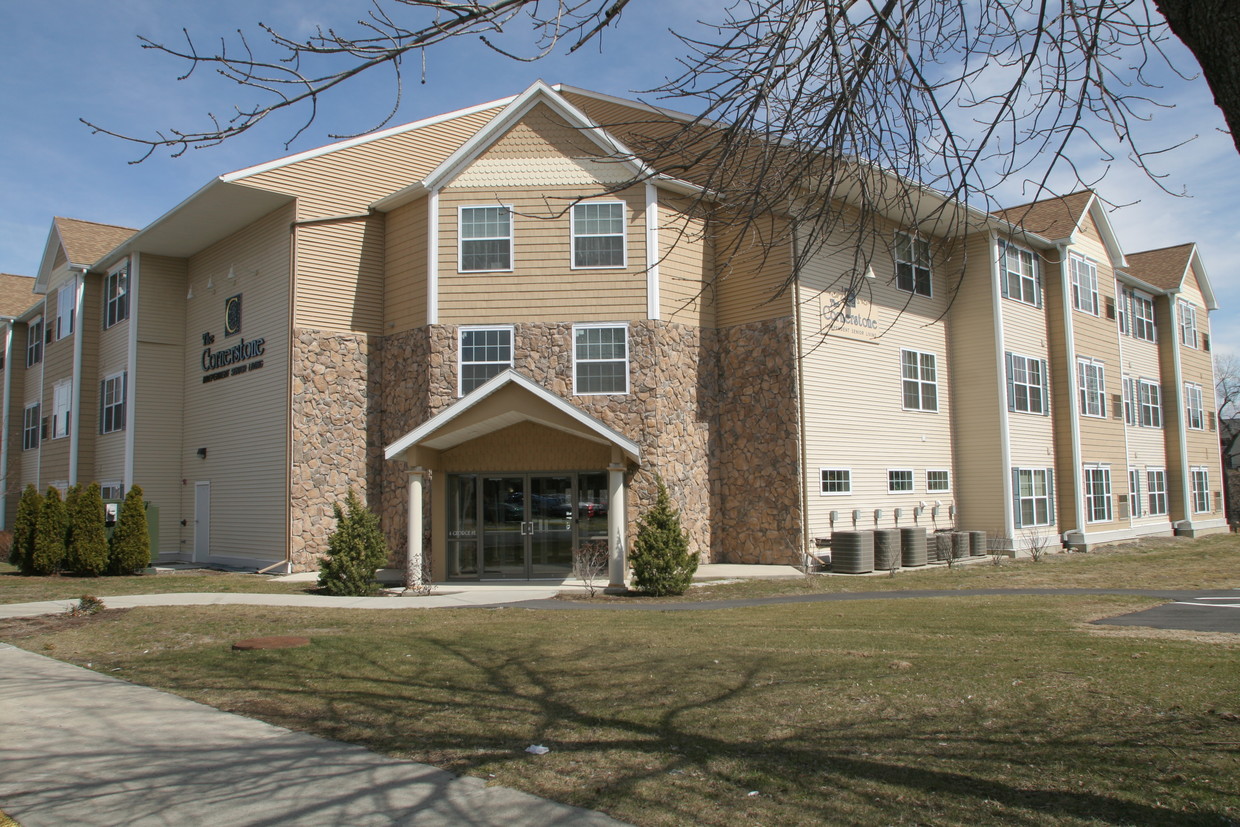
{"x": 491, "y": 386}
{"x": 1105, "y": 230}
{"x": 1203, "y": 279}
{"x": 631, "y": 104}
{"x": 363, "y": 139}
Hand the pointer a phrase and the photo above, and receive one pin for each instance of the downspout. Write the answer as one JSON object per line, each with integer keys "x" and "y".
{"x": 131, "y": 367}
{"x": 38, "y": 460}
{"x": 289, "y": 431}
{"x": 1005, "y": 436}
{"x": 803, "y": 482}
{"x": 4, "y": 425}
{"x": 1136, "y": 406}
{"x": 1074, "y": 413}
{"x": 75, "y": 399}
{"x": 1185, "y": 471}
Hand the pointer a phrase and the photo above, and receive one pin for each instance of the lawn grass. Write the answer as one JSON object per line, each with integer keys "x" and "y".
{"x": 15, "y": 588}
{"x": 960, "y": 710}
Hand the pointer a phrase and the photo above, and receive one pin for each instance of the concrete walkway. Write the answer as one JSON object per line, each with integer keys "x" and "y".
{"x": 85, "y": 748}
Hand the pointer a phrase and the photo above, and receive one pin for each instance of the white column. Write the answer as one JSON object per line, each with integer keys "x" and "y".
{"x": 616, "y": 520}
{"x": 414, "y": 554}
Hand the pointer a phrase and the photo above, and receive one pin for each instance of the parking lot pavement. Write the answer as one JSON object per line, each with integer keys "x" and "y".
{"x": 1205, "y": 612}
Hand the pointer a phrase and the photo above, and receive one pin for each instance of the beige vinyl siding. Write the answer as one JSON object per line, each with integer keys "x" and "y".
{"x": 87, "y": 417}
{"x": 979, "y": 479}
{"x": 241, "y": 420}
{"x": 159, "y": 387}
{"x": 348, "y": 180}
{"x": 686, "y": 265}
{"x": 1174, "y": 421}
{"x": 404, "y": 286}
{"x": 1146, "y": 446}
{"x": 853, "y": 400}
{"x": 31, "y": 390}
{"x": 1195, "y": 364}
{"x": 753, "y": 266}
{"x": 542, "y": 285}
{"x": 1056, "y": 296}
{"x": 340, "y": 275}
{"x": 16, "y": 474}
{"x": 57, "y": 367}
{"x": 1031, "y": 437}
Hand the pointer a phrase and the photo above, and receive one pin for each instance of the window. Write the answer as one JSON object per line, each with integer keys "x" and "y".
{"x": 1136, "y": 314}
{"x": 912, "y": 264}
{"x": 598, "y": 235}
{"x": 34, "y": 341}
{"x": 111, "y": 490}
{"x": 484, "y": 352}
{"x": 1134, "y": 491}
{"x": 1188, "y": 325}
{"x": 61, "y": 400}
{"x": 601, "y": 359}
{"x": 1027, "y": 387}
{"x": 938, "y": 481}
{"x": 1193, "y": 407}
{"x": 1201, "y": 490}
{"x": 1091, "y": 377}
{"x": 1150, "y": 396}
{"x": 486, "y": 239}
{"x": 1020, "y": 275}
{"x": 112, "y": 403}
{"x": 66, "y": 304}
{"x": 835, "y": 481}
{"x": 1156, "y": 490}
{"x": 899, "y": 481}
{"x": 30, "y": 426}
{"x": 921, "y": 389}
{"x": 1084, "y": 285}
{"x": 116, "y": 297}
{"x": 1097, "y": 494}
{"x": 1130, "y": 400}
{"x": 1033, "y": 490}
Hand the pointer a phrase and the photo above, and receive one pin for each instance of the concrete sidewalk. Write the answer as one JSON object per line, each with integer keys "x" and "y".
{"x": 85, "y": 748}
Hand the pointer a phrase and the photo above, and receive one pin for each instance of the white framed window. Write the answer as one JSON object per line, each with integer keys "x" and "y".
{"x": 116, "y": 296}
{"x": 1027, "y": 384}
{"x": 1156, "y": 490}
{"x": 938, "y": 481}
{"x": 835, "y": 481}
{"x": 112, "y": 490}
{"x": 482, "y": 352}
{"x": 1149, "y": 395}
{"x": 1188, "y": 324}
{"x": 1091, "y": 379}
{"x": 1194, "y": 409}
{"x": 1134, "y": 491}
{"x": 485, "y": 240}
{"x": 1136, "y": 314}
{"x": 1020, "y": 274}
{"x": 899, "y": 480}
{"x": 920, "y": 381}
{"x": 913, "y": 264}
{"x": 598, "y": 235}
{"x": 112, "y": 403}
{"x": 31, "y": 426}
{"x": 600, "y": 359}
{"x": 1033, "y": 493}
{"x": 66, "y": 307}
{"x": 61, "y": 400}
{"x": 1084, "y": 284}
{"x": 1201, "y": 489}
{"x": 34, "y": 341}
{"x": 1097, "y": 494}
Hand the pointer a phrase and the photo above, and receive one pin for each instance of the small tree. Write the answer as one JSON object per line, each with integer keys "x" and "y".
{"x": 87, "y": 544}
{"x": 25, "y": 525}
{"x": 354, "y": 551}
{"x": 662, "y": 563}
{"x": 131, "y": 539}
{"x": 49, "y": 536}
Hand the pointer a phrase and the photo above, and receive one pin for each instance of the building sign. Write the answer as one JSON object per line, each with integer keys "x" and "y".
{"x": 849, "y": 316}
{"x": 243, "y": 357}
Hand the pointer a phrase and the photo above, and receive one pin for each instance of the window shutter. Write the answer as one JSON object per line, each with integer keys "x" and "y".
{"x": 1011, "y": 386}
{"x": 124, "y": 400}
{"x": 102, "y": 403}
{"x": 1003, "y": 276}
{"x": 1046, "y": 388}
{"x": 1037, "y": 281}
{"x": 1016, "y": 498}
{"x": 1050, "y": 493}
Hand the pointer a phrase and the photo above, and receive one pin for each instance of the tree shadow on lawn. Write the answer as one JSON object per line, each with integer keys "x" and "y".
{"x": 645, "y": 750}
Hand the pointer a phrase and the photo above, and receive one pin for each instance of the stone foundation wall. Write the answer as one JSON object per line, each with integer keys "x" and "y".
{"x": 758, "y": 456}
{"x": 336, "y": 440}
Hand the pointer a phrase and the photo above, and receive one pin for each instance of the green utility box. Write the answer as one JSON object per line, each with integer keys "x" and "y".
{"x": 112, "y": 508}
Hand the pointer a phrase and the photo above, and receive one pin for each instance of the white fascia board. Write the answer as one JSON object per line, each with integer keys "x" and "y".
{"x": 1133, "y": 281}
{"x": 632, "y": 104}
{"x": 491, "y": 386}
{"x": 46, "y": 264}
{"x": 1105, "y": 231}
{"x": 1203, "y": 279}
{"x": 363, "y": 139}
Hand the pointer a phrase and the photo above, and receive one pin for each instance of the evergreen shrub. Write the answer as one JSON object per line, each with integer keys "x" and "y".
{"x": 25, "y": 525}
{"x": 131, "y": 540}
{"x": 49, "y": 537}
{"x": 661, "y": 560}
{"x": 354, "y": 551}
{"x": 87, "y": 543}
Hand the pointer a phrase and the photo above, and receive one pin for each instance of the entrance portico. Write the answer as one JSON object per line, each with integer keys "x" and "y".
{"x": 520, "y": 478}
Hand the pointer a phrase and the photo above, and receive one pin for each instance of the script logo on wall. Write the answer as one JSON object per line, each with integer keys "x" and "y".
{"x": 232, "y": 315}
{"x": 242, "y": 357}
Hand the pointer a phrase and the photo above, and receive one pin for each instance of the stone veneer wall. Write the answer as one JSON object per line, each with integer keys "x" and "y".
{"x": 336, "y": 442}
{"x": 758, "y": 457}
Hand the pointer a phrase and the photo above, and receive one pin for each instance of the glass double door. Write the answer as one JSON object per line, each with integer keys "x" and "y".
{"x": 522, "y": 526}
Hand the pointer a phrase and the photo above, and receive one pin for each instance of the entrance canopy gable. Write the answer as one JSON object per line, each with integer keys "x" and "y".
{"x": 507, "y": 399}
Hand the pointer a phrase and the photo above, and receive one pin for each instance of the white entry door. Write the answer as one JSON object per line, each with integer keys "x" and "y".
{"x": 202, "y": 521}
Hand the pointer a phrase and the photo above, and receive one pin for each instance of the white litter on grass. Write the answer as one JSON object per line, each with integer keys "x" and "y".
{"x": 753, "y": 794}
{"x": 537, "y": 749}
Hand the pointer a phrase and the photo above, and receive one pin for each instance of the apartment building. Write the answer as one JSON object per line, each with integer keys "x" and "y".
{"x": 500, "y": 325}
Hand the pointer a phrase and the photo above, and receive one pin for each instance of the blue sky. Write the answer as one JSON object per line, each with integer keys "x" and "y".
{"x": 61, "y": 60}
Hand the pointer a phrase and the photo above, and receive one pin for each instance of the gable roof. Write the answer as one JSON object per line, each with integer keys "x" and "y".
{"x": 1167, "y": 267}
{"x": 16, "y": 294}
{"x": 1053, "y": 218}
{"x": 83, "y": 242}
